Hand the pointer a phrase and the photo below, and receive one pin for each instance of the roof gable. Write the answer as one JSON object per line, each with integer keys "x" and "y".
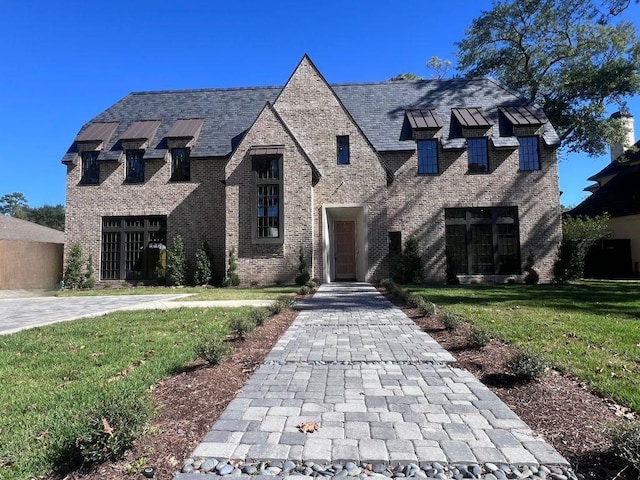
{"x": 12, "y": 228}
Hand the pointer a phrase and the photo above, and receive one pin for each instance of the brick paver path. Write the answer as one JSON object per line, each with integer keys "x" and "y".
{"x": 379, "y": 387}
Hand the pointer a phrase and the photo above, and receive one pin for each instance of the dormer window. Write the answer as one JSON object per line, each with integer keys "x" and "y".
{"x": 528, "y": 153}
{"x": 90, "y": 168}
{"x": 427, "y": 156}
{"x": 134, "y": 166}
{"x": 467, "y": 122}
{"x": 478, "y": 155}
{"x": 180, "y": 165}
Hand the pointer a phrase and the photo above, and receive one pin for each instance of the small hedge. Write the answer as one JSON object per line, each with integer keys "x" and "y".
{"x": 109, "y": 430}
{"x": 525, "y": 366}
{"x": 450, "y": 321}
{"x": 213, "y": 349}
{"x": 242, "y": 326}
{"x": 625, "y": 443}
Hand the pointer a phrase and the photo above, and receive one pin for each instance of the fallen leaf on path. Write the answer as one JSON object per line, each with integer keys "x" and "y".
{"x": 308, "y": 427}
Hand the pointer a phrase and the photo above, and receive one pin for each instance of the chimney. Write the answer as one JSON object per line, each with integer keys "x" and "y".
{"x": 618, "y": 149}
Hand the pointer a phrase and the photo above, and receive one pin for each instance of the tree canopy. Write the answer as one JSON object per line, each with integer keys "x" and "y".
{"x": 573, "y": 58}
{"x": 16, "y": 205}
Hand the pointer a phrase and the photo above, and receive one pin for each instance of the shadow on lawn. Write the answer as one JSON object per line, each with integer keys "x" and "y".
{"x": 595, "y": 297}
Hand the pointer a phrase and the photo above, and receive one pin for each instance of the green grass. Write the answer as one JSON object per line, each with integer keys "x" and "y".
{"x": 590, "y": 329}
{"x": 199, "y": 293}
{"x": 50, "y": 377}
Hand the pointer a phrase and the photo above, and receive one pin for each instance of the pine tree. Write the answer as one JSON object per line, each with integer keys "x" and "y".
{"x": 74, "y": 271}
{"x": 177, "y": 263}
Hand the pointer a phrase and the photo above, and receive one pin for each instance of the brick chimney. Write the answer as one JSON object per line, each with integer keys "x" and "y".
{"x": 618, "y": 149}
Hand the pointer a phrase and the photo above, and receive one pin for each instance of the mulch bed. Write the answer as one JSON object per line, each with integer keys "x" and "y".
{"x": 571, "y": 417}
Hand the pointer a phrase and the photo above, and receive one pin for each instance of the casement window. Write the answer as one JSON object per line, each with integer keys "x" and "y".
{"x": 180, "y": 165}
{"x": 529, "y": 153}
{"x": 427, "y": 156}
{"x": 133, "y": 248}
{"x": 343, "y": 149}
{"x": 90, "y": 168}
{"x": 134, "y": 166}
{"x": 268, "y": 224}
{"x": 478, "y": 155}
{"x": 483, "y": 240}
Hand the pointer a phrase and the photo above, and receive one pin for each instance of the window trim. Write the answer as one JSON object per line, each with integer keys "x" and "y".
{"x": 86, "y": 164}
{"x": 127, "y": 178}
{"x": 429, "y": 141}
{"x": 258, "y": 182}
{"x": 474, "y": 171}
{"x": 173, "y": 178}
{"x": 537, "y": 154}
{"x": 341, "y": 148}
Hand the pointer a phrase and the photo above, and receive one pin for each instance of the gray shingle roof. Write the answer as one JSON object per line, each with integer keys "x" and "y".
{"x": 378, "y": 108}
{"x": 15, "y": 229}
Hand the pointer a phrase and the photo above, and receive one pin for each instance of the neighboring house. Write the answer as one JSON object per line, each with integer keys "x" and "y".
{"x": 617, "y": 194}
{"x": 30, "y": 255}
{"x": 345, "y": 171}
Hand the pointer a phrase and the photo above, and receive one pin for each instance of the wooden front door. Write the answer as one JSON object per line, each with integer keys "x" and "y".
{"x": 345, "y": 248}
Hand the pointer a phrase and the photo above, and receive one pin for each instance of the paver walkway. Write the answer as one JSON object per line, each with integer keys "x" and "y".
{"x": 379, "y": 387}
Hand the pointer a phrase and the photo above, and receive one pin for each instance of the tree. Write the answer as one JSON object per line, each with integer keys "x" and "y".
{"x": 303, "y": 275}
{"x": 409, "y": 268}
{"x": 12, "y": 203}
{"x": 439, "y": 66}
{"x": 232, "y": 279}
{"x": 47, "y": 215}
{"x": 202, "y": 275}
{"x": 562, "y": 55}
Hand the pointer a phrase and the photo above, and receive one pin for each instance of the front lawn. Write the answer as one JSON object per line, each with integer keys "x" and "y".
{"x": 198, "y": 293}
{"x": 51, "y": 377}
{"x": 590, "y": 329}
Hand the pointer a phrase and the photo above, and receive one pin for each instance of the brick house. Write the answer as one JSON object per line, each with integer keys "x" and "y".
{"x": 345, "y": 171}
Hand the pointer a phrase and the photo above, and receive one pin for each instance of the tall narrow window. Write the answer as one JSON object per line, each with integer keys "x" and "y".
{"x": 482, "y": 240}
{"x": 343, "y": 149}
{"x": 268, "y": 197}
{"x": 478, "y": 153}
{"x": 90, "y": 168}
{"x": 180, "y": 165}
{"x": 428, "y": 156}
{"x": 528, "y": 153}
{"x": 135, "y": 166}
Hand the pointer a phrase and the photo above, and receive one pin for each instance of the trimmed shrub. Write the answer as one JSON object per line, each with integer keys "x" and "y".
{"x": 213, "y": 350}
{"x": 232, "y": 279}
{"x": 74, "y": 270}
{"x": 625, "y": 443}
{"x": 202, "y": 275}
{"x": 409, "y": 268}
{"x": 525, "y": 366}
{"x": 89, "y": 280}
{"x": 259, "y": 316}
{"x": 281, "y": 303}
{"x": 110, "y": 429}
{"x": 304, "y": 290}
{"x": 479, "y": 337}
{"x": 177, "y": 263}
{"x": 450, "y": 321}
{"x": 427, "y": 308}
{"x": 242, "y": 326}
{"x": 386, "y": 283}
{"x": 303, "y": 275}
{"x": 311, "y": 284}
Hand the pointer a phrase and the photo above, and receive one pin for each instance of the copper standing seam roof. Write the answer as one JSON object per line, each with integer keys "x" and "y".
{"x": 142, "y": 129}
{"x": 423, "y": 118}
{"x": 266, "y": 150}
{"x": 185, "y": 128}
{"x": 98, "y": 132}
{"x": 523, "y": 115}
{"x": 471, "y": 117}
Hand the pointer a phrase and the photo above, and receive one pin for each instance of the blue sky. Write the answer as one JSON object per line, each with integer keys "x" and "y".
{"x": 64, "y": 62}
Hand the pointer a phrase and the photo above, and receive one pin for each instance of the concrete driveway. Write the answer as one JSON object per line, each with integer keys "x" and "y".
{"x": 21, "y": 313}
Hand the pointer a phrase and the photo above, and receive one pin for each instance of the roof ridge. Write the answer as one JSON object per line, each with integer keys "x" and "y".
{"x": 212, "y": 89}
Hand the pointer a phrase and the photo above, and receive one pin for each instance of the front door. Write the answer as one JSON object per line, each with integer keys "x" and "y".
{"x": 345, "y": 248}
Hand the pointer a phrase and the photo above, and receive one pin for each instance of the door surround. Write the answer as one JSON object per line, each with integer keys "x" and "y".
{"x": 352, "y": 212}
